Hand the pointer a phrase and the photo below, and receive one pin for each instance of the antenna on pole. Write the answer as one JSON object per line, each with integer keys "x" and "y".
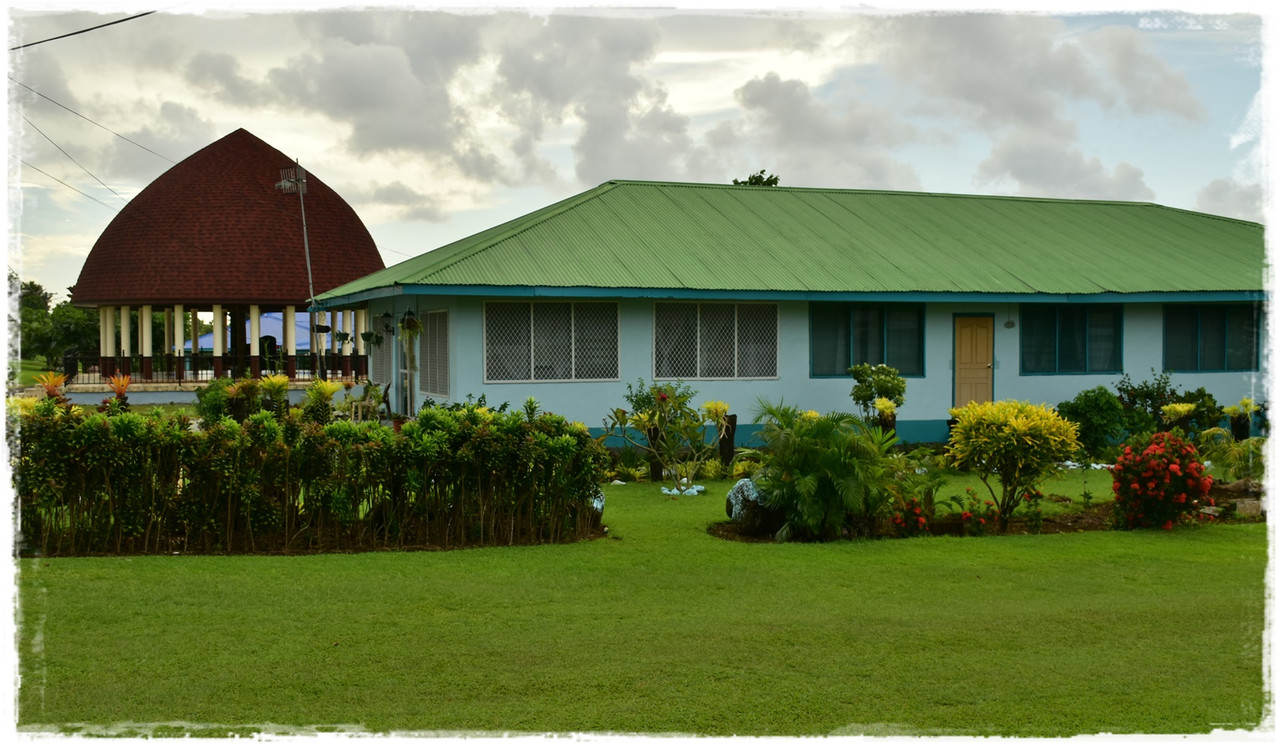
{"x": 294, "y": 179}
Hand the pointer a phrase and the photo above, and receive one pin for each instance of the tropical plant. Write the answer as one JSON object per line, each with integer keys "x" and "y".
{"x": 52, "y": 383}
{"x": 1240, "y": 459}
{"x": 1143, "y": 402}
{"x": 317, "y": 404}
{"x": 1240, "y": 417}
{"x": 275, "y": 393}
{"x": 1017, "y": 443}
{"x": 664, "y": 425}
{"x": 829, "y": 475}
{"x": 1100, "y": 419}
{"x": 1158, "y": 481}
{"x": 873, "y": 383}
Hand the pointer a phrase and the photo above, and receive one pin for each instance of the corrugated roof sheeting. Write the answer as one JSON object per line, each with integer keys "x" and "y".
{"x": 718, "y": 237}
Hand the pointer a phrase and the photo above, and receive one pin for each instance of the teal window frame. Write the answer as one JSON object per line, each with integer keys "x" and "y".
{"x": 1211, "y": 329}
{"x": 1067, "y": 334}
{"x": 853, "y": 350}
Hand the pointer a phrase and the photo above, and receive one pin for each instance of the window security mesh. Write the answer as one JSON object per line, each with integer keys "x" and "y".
{"x": 433, "y": 354}
{"x": 715, "y": 340}
{"x": 557, "y": 341}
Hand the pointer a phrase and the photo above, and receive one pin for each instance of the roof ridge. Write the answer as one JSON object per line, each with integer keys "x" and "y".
{"x": 513, "y": 227}
{"x": 941, "y": 195}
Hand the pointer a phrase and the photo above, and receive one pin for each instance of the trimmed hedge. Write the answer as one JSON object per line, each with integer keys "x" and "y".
{"x": 89, "y": 483}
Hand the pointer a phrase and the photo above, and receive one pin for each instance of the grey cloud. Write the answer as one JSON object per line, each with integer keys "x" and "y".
{"x": 1147, "y": 84}
{"x": 1048, "y": 166}
{"x": 815, "y": 145}
{"x": 374, "y": 90}
{"x": 957, "y": 57}
{"x": 1232, "y": 199}
{"x": 220, "y": 76}
{"x": 414, "y": 204}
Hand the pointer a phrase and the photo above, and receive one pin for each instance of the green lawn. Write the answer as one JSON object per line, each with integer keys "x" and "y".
{"x": 24, "y": 372}
{"x": 661, "y": 629}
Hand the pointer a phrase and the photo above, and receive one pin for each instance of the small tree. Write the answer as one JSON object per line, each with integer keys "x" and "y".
{"x": 673, "y": 431}
{"x": 875, "y": 382}
{"x": 1018, "y": 443}
{"x": 759, "y": 179}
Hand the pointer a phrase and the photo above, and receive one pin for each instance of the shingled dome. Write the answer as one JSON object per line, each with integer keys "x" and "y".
{"x": 215, "y": 242}
{"x": 214, "y": 229}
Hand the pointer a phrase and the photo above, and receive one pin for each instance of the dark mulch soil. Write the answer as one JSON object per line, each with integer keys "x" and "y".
{"x": 1096, "y": 518}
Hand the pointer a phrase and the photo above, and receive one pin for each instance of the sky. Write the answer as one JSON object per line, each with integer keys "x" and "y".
{"x": 435, "y": 124}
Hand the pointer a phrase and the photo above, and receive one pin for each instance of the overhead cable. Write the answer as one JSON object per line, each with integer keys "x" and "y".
{"x": 90, "y": 121}
{"x": 81, "y": 31}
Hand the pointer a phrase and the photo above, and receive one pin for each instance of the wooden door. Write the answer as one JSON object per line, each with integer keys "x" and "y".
{"x": 975, "y": 338}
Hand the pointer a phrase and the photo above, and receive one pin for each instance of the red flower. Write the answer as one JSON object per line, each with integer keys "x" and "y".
{"x": 920, "y": 520}
{"x": 983, "y": 521}
{"x": 966, "y": 515}
{"x": 1168, "y": 526}
{"x": 662, "y": 396}
{"x": 917, "y": 511}
{"x": 1175, "y": 469}
{"x": 1115, "y": 486}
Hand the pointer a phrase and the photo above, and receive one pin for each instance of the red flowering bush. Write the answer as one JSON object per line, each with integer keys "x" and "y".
{"x": 910, "y": 518}
{"x": 1159, "y": 481}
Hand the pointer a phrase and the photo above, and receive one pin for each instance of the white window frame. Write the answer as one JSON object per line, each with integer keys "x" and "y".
{"x": 697, "y": 364}
{"x": 573, "y": 348}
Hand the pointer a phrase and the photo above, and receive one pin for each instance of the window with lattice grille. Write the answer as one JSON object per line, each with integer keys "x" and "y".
{"x": 715, "y": 340}
{"x": 552, "y": 341}
{"x": 433, "y": 354}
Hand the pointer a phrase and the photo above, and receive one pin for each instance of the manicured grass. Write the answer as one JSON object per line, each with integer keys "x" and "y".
{"x": 23, "y": 372}
{"x": 663, "y": 628}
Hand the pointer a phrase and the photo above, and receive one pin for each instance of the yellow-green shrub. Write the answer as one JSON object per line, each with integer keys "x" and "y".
{"x": 1016, "y": 442}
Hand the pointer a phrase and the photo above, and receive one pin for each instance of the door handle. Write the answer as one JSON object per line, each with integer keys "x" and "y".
{"x": 988, "y": 365}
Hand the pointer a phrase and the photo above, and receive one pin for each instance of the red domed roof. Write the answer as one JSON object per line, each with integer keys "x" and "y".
{"x": 214, "y": 229}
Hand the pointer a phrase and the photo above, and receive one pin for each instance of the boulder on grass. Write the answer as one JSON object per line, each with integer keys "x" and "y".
{"x": 744, "y": 507}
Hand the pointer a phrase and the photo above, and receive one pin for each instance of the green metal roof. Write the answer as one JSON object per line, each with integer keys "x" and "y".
{"x": 709, "y": 237}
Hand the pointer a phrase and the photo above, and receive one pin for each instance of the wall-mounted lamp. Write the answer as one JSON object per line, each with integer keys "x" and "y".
{"x": 387, "y": 326}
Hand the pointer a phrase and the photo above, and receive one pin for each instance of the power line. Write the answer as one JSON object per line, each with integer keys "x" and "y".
{"x": 81, "y": 31}
{"x": 65, "y": 184}
{"x": 90, "y": 121}
{"x": 73, "y": 160}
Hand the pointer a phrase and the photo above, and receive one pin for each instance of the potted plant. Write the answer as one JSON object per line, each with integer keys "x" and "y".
{"x": 1241, "y": 418}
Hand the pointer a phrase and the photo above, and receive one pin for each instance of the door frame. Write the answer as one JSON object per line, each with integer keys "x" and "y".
{"x": 955, "y": 364}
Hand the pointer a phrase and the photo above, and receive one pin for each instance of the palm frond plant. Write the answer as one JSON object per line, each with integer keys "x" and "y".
{"x": 1241, "y": 459}
{"x": 829, "y": 475}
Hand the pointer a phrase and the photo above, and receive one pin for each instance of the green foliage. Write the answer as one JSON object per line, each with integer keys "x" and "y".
{"x": 758, "y": 179}
{"x": 1018, "y": 443}
{"x": 872, "y": 382}
{"x": 830, "y": 475}
{"x": 663, "y": 424}
{"x": 1241, "y": 459}
{"x": 1159, "y": 481}
{"x": 1205, "y": 412}
{"x": 211, "y": 400}
{"x": 455, "y": 477}
{"x": 1100, "y": 418}
{"x": 1143, "y": 402}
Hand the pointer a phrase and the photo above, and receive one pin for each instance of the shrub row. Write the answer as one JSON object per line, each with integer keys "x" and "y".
{"x": 124, "y": 483}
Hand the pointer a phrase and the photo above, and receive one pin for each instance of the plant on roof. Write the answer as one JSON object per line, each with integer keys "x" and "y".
{"x": 758, "y": 179}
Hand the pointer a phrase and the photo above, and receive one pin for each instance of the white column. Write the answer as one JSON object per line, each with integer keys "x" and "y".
{"x": 290, "y": 330}
{"x": 144, "y": 330}
{"x": 219, "y": 331}
{"x": 349, "y": 326}
{"x": 103, "y": 351}
{"x": 255, "y": 330}
{"x": 362, "y": 324}
{"x": 126, "y": 332}
{"x": 178, "y": 324}
{"x": 111, "y": 330}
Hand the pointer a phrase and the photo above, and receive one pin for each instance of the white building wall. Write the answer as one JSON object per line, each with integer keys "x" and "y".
{"x": 928, "y": 398}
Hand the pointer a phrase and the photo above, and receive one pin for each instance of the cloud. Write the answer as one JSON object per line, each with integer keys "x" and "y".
{"x": 1146, "y": 83}
{"x": 815, "y": 144}
{"x": 220, "y": 76}
{"x": 1047, "y": 164}
{"x": 1231, "y": 199}
{"x": 414, "y": 205}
